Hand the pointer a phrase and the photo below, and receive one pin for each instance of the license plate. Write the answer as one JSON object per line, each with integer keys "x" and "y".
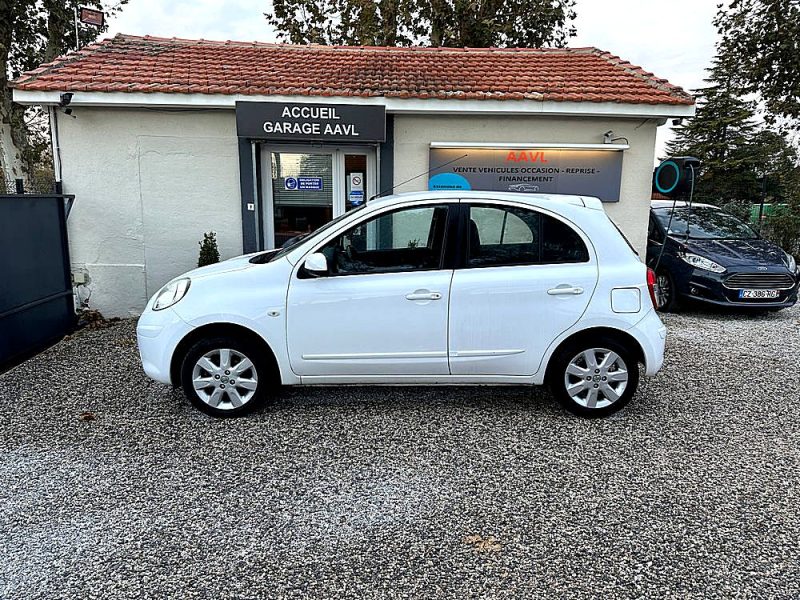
{"x": 758, "y": 294}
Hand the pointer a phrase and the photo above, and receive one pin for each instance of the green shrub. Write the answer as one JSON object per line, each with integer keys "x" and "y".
{"x": 209, "y": 252}
{"x": 783, "y": 228}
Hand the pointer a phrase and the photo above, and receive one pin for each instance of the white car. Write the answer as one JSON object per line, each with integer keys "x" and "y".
{"x": 423, "y": 288}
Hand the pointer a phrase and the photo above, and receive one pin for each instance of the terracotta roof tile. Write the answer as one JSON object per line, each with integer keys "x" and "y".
{"x": 147, "y": 64}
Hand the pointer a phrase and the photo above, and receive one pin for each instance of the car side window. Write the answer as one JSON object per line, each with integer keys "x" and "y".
{"x": 561, "y": 243}
{"x": 654, "y": 233}
{"x": 408, "y": 239}
{"x": 505, "y": 236}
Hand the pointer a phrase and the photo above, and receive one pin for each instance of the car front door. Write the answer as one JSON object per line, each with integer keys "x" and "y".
{"x": 381, "y": 309}
{"x": 526, "y": 276}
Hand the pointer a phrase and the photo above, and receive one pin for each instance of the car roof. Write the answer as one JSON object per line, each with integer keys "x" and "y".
{"x": 655, "y": 204}
{"x": 527, "y": 198}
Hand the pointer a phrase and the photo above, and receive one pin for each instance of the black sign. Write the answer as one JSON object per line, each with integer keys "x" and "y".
{"x": 90, "y": 16}
{"x": 289, "y": 121}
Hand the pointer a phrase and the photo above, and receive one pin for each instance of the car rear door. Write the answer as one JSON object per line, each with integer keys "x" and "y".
{"x": 525, "y": 277}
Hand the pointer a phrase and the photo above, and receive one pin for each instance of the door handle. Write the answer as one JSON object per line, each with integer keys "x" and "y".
{"x": 423, "y": 295}
{"x": 565, "y": 290}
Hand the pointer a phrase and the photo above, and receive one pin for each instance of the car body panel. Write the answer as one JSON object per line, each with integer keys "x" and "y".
{"x": 362, "y": 329}
{"x": 365, "y": 325}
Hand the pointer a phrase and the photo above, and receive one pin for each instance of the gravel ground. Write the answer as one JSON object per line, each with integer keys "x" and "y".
{"x": 692, "y": 490}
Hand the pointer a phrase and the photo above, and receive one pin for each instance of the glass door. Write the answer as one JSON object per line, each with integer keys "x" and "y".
{"x": 302, "y": 193}
{"x": 305, "y": 187}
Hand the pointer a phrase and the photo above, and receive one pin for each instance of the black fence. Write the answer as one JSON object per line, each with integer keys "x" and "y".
{"x": 36, "y": 302}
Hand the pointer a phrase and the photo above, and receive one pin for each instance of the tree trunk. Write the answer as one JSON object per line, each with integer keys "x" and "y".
{"x": 13, "y": 132}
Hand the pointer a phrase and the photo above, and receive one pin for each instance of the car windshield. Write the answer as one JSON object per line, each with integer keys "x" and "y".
{"x": 704, "y": 223}
{"x": 307, "y": 236}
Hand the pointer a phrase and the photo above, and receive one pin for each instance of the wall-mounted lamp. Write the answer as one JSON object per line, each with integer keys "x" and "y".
{"x": 609, "y": 138}
{"x": 64, "y": 100}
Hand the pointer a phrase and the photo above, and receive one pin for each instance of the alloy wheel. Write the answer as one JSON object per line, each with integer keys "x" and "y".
{"x": 224, "y": 379}
{"x": 596, "y": 378}
{"x": 663, "y": 290}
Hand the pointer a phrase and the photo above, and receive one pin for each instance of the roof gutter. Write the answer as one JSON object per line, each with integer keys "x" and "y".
{"x": 399, "y": 106}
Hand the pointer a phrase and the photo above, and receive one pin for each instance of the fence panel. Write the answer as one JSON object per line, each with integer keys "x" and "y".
{"x": 36, "y": 303}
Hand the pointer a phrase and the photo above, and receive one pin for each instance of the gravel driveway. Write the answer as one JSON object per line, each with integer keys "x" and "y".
{"x": 407, "y": 492}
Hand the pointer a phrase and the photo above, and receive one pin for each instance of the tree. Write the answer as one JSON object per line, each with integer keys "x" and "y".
{"x": 721, "y": 134}
{"x": 451, "y": 23}
{"x": 209, "y": 251}
{"x": 33, "y": 32}
{"x": 763, "y": 37}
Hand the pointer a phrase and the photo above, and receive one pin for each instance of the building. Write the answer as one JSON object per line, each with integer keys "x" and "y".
{"x": 161, "y": 140}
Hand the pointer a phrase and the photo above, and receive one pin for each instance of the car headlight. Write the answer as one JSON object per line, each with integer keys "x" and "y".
{"x": 701, "y": 262}
{"x": 791, "y": 263}
{"x": 171, "y": 293}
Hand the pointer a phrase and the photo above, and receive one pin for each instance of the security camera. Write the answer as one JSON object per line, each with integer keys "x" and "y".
{"x": 677, "y": 122}
{"x": 66, "y": 98}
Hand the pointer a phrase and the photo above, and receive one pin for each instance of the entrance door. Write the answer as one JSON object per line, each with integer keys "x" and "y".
{"x": 305, "y": 187}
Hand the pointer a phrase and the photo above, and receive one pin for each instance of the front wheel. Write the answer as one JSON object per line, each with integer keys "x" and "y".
{"x": 594, "y": 378}
{"x": 225, "y": 377}
{"x": 666, "y": 293}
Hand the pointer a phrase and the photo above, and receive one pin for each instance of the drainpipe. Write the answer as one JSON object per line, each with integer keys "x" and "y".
{"x": 54, "y": 143}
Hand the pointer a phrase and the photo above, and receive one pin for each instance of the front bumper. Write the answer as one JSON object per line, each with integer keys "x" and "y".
{"x": 158, "y": 334}
{"x": 710, "y": 288}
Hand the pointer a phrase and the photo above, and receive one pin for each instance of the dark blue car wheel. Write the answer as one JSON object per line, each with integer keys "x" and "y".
{"x": 666, "y": 294}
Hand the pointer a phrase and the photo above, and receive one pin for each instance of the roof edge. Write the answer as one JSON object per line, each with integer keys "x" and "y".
{"x": 393, "y": 105}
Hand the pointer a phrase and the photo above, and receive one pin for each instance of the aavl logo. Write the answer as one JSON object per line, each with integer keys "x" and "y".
{"x": 526, "y": 156}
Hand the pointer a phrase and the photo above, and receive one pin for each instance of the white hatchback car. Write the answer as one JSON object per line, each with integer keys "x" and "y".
{"x": 422, "y": 288}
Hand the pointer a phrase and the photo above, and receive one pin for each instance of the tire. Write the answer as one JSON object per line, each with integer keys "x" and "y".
{"x": 206, "y": 362}
{"x": 667, "y": 294}
{"x": 596, "y": 397}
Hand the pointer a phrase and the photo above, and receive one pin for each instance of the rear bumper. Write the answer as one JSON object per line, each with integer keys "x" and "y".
{"x": 651, "y": 334}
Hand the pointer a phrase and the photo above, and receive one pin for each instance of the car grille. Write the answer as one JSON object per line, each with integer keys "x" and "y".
{"x": 760, "y": 281}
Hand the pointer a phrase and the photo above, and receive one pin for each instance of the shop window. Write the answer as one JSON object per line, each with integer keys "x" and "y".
{"x": 409, "y": 239}
{"x": 516, "y": 236}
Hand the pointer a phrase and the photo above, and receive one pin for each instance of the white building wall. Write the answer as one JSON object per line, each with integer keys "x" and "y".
{"x": 413, "y": 135}
{"x": 147, "y": 185}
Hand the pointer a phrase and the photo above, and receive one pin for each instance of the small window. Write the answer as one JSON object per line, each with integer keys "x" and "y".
{"x": 409, "y": 239}
{"x": 515, "y": 236}
{"x": 654, "y": 232}
{"x": 561, "y": 243}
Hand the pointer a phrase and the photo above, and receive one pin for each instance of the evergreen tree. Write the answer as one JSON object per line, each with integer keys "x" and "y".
{"x": 722, "y": 135}
{"x": 763, "y": 38}
{"x": 209, "y": 252}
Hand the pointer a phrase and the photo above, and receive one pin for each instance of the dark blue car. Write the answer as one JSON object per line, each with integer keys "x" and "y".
{"x": 711, "y": 256}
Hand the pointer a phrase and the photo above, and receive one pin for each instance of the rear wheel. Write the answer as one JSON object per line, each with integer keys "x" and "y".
{"x": 594, "y": 378}
{"x": 225, "y": 376}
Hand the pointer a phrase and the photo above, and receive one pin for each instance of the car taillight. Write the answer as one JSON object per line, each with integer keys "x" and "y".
{"x": 651, "y": 286}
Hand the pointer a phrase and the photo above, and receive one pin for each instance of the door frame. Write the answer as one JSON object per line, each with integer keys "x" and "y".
{"x": 337, "y": 153}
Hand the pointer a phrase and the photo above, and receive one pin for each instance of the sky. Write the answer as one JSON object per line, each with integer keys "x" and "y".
{"x": 674, "y": 40}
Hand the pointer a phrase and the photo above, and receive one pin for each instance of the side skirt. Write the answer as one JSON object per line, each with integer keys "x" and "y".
{"x": 417, "y": 380}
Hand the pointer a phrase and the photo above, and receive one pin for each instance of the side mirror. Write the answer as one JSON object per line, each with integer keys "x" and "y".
{"x": 316, "y": 264}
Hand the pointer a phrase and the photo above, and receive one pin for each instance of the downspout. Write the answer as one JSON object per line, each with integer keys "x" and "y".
{"x": 55, "y": 146}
